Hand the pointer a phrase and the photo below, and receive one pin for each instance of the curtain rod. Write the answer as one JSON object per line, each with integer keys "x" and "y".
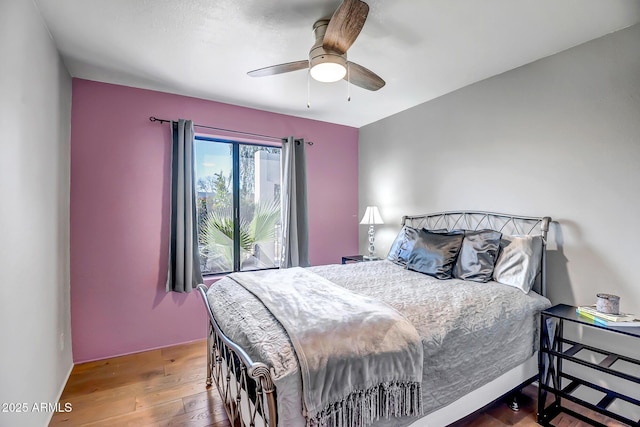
{"x": 155, "y": 119}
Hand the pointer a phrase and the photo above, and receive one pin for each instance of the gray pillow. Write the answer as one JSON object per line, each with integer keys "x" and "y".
{"x": 435, "y": 253}
{"x": 403, "y": 244}
{"x": 477, "y": 255}
{"x": 519, "y": 261}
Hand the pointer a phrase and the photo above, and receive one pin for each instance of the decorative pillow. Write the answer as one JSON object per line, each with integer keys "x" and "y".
{"x": 440, "y": 230}
{"x": 518, "y": 262}
{"x": 393, "y": 250}
{"x": 435, "y": 253}
{"x": 403, "y": 244}
{"x": 477, "y": 255}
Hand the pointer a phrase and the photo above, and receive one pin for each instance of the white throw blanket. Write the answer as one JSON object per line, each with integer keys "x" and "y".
{"x": 359, "y": 358}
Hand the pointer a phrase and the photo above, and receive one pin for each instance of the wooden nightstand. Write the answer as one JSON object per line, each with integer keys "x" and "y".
{"x": 553, "y": 380}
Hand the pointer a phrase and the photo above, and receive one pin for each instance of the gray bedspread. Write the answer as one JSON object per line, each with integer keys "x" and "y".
{"x": 471, "y": 332}
{"x": 359, "y": 358}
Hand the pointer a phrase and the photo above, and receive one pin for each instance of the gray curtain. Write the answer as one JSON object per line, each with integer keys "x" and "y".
{"x": 295, "y": 234}
{"x": 184, "y": 262}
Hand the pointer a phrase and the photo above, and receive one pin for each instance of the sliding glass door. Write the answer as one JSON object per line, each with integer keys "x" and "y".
{"x": 238, "y": 197}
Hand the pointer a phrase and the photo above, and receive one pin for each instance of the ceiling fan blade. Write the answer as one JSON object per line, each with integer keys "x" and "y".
{"x": 345, "y": 25}
{"x": 280, "y": 68}
{"x": 360, "y": 76}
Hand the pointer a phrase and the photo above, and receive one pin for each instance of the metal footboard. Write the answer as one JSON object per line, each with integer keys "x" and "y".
{"x": 246, "y": 387}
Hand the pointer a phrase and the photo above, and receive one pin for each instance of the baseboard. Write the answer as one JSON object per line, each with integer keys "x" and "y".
{"x": 160, "y": 347}
{"x": 59, "y": 395}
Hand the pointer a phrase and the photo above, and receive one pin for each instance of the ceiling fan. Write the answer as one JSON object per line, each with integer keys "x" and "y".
{"x": 328, "y": 55}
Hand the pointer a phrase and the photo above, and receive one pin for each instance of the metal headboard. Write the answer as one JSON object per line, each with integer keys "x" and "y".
{"x": 479, "y": 220}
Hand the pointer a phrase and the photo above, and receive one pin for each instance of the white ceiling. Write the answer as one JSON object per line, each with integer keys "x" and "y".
{"x": 422, "y": 48}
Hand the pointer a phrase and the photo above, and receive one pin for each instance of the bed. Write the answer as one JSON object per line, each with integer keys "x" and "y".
{"x": 477, "y": 338}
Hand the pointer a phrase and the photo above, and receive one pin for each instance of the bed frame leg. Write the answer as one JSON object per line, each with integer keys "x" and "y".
{"x": 513, "y": 401}
{"x": 210, "y": 356}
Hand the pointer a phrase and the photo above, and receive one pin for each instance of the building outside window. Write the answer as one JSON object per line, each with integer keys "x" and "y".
{"x": 238, "y": 205}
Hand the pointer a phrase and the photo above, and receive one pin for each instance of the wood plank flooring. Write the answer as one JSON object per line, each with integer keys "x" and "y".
{"x": 166, "y": 387}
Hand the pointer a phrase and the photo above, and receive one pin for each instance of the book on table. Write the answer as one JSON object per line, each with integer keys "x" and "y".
{"x": 606, "y": 319}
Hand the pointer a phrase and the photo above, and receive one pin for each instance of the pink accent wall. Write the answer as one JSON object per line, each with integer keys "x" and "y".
{"x": 120, "y": 207}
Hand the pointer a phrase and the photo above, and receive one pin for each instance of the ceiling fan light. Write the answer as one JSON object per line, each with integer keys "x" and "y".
{"x": 328, "y": 72}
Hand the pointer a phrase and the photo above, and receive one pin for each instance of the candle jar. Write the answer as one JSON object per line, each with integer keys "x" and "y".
{"x": 607, "y": 303}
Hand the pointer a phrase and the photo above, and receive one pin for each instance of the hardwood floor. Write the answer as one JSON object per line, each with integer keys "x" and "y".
{"x": 166, "y": 387}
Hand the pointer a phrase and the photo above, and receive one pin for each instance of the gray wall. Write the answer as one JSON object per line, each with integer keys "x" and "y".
{"x": 558, "y": 137}
{"x": 35, "y": 115}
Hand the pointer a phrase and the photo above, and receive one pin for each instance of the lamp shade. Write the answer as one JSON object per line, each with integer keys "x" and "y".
{"x": 371, "y": 216}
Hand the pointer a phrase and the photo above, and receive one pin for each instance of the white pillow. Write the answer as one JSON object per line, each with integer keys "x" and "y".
{"x": 519, "y": 261}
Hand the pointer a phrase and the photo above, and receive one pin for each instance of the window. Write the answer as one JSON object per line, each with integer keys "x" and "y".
{"x": 238, "y": 205}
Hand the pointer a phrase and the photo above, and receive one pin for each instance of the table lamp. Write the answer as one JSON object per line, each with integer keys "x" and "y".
{"x": 371, "y": 217}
